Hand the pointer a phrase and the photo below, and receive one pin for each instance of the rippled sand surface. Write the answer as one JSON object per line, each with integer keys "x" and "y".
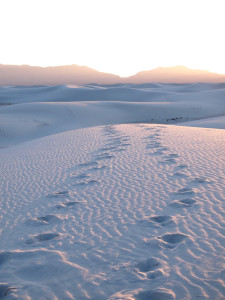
{"x": 131, "y": 211}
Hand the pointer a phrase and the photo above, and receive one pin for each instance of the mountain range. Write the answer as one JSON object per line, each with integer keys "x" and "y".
{"x": 75, "y": 74}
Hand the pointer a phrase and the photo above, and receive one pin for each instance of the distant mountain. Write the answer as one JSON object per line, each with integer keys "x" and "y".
{"x": 178, "y": 74}
{"x": 74, "y": 74}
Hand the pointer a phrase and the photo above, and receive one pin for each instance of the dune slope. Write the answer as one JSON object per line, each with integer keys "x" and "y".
{"x": 97, "y": 202}
{"x": 45, "y": 110}
{"x": 114, "y": 212}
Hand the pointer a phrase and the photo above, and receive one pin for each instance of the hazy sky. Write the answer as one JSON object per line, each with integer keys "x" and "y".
{"x": 116, "y": 36}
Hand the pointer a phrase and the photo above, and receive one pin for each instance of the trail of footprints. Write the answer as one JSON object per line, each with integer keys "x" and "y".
{"x": 114, "y": 143}
{"x": 183, "y": 198}
{"x": 151, "y": 267}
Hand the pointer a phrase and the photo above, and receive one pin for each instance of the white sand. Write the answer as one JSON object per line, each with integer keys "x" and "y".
{"x": 131, "y": 211}
{"x": 41, "y": 111}
{"x": 216, "y": 122}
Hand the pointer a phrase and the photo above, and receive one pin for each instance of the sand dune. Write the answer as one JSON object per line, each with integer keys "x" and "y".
{"x": 97, "y": 203}
{"x": 119, "y": 92}
{"x": 45, "y": 110}
{"x": 137, "y": 214}
{"x": 217, "y": 122}
{"x": 23, "y": 122}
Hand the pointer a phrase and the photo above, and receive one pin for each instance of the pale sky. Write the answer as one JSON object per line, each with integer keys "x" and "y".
{"x": 115, "y": 36}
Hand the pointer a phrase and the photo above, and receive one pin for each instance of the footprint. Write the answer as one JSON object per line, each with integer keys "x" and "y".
{"x": 164, "y": 149}
{"x": 80, "y": 183}
{"x": 183, "y": 203}
{"x": 166, "y": 241}
{"x": 148, "y": 128}
{"x": 46, "y": 220}
{"x": 158, "y": 152}
{"x": 5, "y": 289}
{"x": 43, "y": 237}
{"x": 185, "y": 191}
{"x": 101, "y": 154}
{"x": 154, "y": 295}
{"x": 162, "y": 220}
{"x": 49, "y": 218}
{"x": 113, "y": 143}
{"x": 150, "y": 146}
{"x": 148, "y": 265}
{"x": 120, "y": 150}
{"x": 104, "y": 156}
{"x": 201, "y": 180}
{"x": 70, "y": 203}
{"x": 97, "y": 168}
{"x": 182, "y": 166}
{"x": 66, "y": 204}
{"x": 173, "y": 155}
{"x": 125, "y": 139}
{"x": 157, "y": 221}
{"x": 152, "y": 140}
{"x": 125, "y": 144}
{"x": 155, "y": 274}
{"x": 152, "y": 136}
{"x": 88, "y": 164}
{"x": 169, "y": 160}
{"x": 88, "y": 182}
{"x": 154, "y": 145}
{"x": 107, "y": 148}
{"x": 62, "y": 194}
{"x": 172, "y": 239}
{"x": 81, "y": 176}
{"x": 114, "y": 140}
{"x": 180, "y": 174}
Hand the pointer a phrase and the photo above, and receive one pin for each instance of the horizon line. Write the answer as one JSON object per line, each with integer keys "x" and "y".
{"x": 127, "y": 76}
